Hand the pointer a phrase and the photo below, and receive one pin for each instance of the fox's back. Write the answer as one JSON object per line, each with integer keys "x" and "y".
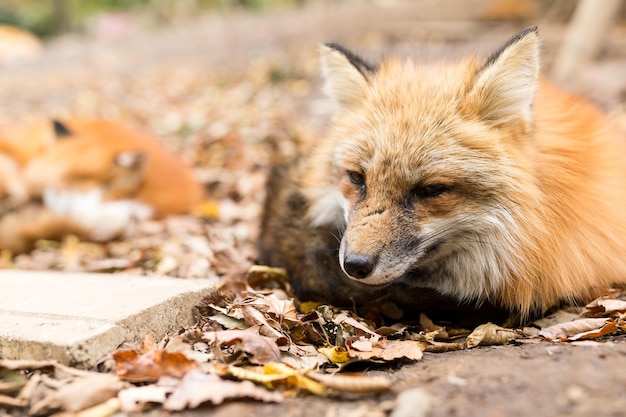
{"x": 578, "y": 157}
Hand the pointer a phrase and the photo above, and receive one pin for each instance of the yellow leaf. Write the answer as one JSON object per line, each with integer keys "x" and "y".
{"x": 336, "y": 354}
{"x": 308, "y": 306}
{"x": 302, "y": 381}
{"x": 6, "y": 258}
{"x": 70, "y": 249}
{"x": 208, "y": 208}
{"x": 255, "y": 374}
{"x": 273, "y": 375}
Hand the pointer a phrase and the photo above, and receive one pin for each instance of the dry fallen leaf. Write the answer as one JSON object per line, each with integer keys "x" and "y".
{"x": 81, "y": 393}
{"x": 336, "y": 354}
{"x": 360, "y": 329}
{"x": 261, "y": 275}
{"x": 303, "y": 357}
{"x": 562, "y": 331}
{"x": 609, "y": 327}
{"x": 196, "y": 387}
{"x": 149, "y": 367}
{"x": 605, "y": 307}
{"x": 104, "y": 409}
{"x": 135, "y": 398}
{"x": 390, "y": 350}
{"x": 267, "y": 326}
{"x": 490, "y": 334}
{"x": 6, "y": 401}
{"x": 31, "y": 365}
{"x": 440, "y": 347}
{"x": 275, "y": 375}
{"x": 361, "y": 384}
{"x": 258, "y": 348}
{"x": 430, "y": 327}
{"x": 11, "y": 381}
{"x": 559, "y": 316}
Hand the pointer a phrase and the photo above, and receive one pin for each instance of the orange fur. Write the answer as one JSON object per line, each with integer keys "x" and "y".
{"x": 86, "y": 158}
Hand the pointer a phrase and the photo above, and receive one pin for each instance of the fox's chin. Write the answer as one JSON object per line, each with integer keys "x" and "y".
{"x": 418, "y": 274}
{"x": 372, "y": 287}
{"x": 414, "y": 278}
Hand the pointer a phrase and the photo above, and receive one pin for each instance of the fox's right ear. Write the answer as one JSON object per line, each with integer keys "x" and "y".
{"x": 60, "y": 129}
{"x": 504, "y": 89}
{"x": 131, "y": 160}
{"x": 345, "y": 73}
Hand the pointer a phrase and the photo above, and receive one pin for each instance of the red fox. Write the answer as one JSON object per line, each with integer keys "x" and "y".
{"x": 93, "y": 178}
{"x": 470, "y": 182}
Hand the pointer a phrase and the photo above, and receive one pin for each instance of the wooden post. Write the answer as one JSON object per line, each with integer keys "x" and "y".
{"x": 61, "y": 16}
{"x": 585, "y": 37}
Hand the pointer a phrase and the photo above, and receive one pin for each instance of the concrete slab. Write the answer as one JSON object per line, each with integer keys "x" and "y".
{"x": 76, "y": 318}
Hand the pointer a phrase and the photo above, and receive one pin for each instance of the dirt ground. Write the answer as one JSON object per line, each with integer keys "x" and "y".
{"x": 537, "y": 380}
{"x": 156, "y": 77}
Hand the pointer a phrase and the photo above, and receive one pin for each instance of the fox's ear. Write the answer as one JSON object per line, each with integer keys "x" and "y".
{"x": 131, "y": 160}
{"x": 345, "y": 73}
{"x": 127, "y": 174}
{"x": 504, "y": 89}
{"x": 60, "y": 129}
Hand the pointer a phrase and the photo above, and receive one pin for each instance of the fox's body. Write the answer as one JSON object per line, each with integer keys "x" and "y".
{"x": 88, "y": 177}
{"x": 471, "y": 181}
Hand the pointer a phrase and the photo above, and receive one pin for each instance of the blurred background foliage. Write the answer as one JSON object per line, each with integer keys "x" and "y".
{"x": 47, "y": 18}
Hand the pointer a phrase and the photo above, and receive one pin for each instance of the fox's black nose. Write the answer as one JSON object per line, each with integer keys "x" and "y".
{"x": 358, "y": 266}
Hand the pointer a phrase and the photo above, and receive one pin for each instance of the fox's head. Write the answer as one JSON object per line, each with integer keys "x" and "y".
{"x": 428, "y": 167}
{"x": 84, "y": 158}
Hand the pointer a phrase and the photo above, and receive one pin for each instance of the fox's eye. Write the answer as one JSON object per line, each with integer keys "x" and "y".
{"x": 356, "y": 178}
{"x": 430, "y": 191}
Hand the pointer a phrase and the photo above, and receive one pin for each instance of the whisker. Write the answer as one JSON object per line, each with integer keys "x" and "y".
{"x": 337, "y": 237}
{"x": 453, "y": 226}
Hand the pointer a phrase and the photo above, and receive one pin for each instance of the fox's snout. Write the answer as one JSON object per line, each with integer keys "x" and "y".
{"x": 374, "y": 252}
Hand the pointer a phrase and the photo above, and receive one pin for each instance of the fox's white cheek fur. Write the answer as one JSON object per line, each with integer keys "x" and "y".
{"x": 482, "y": 262}
{"x": 328, "y": 208}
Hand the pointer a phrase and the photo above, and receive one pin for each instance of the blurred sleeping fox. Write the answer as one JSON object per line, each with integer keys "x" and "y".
{"x": 452, "y": 185}
{"x": 92, "y": 178}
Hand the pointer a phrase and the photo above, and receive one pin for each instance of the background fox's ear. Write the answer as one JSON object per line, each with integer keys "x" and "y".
{"x": 131, "y": 160}
{"x": 504, "y": 88}
{"x": 60, "y": 129}
{"x": 346, "y": 74}
{"x": 127, "y": 174}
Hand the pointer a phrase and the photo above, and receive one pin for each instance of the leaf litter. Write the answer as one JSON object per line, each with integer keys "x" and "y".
{"x": 258, "y": 344}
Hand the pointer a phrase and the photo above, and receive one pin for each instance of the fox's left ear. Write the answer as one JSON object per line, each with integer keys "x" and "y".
{"x": 345, "y": 73}
{"x": 504, "y": 89}
{"x": 60, "y": 129}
